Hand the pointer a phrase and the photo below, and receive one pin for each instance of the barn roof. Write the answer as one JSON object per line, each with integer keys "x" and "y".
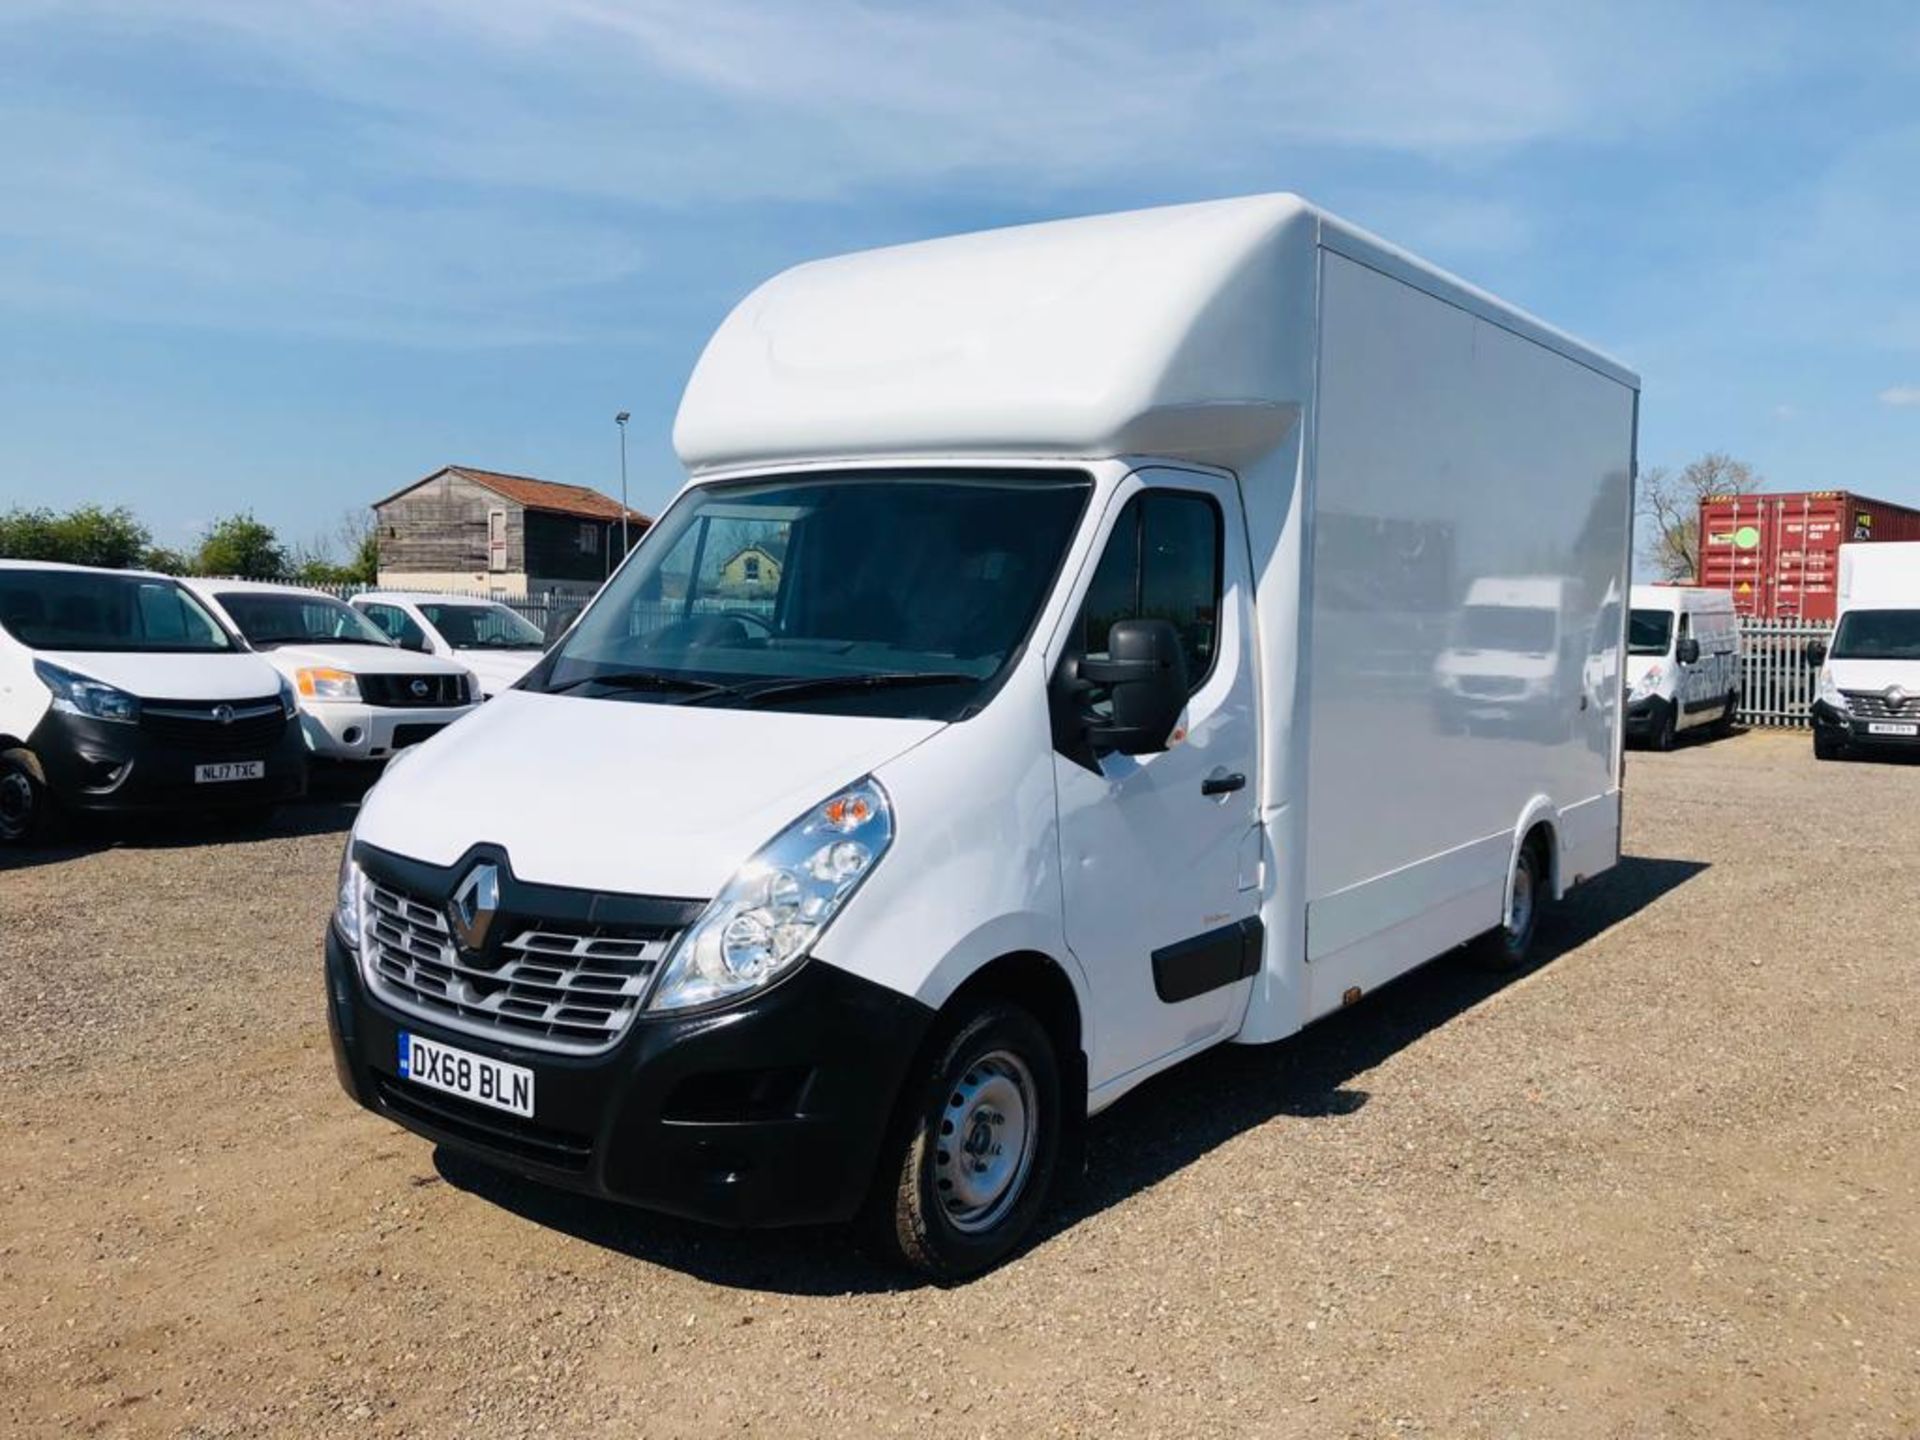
{"x": 532, "y": 494}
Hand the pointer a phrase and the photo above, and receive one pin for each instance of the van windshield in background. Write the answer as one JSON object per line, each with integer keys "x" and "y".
{"x": 1517, "y": 629}
{"x": 1648, "y": 632}
{"x": 880, "y": 594}
{"x": 79, "y": 610}
{"x": 1877, "y": 635}
{"x": 268, "y": 620}
{"x": 483, "y": 627}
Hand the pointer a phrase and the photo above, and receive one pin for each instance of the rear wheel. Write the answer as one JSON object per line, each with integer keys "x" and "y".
{"x": 966, "y": 1172}
{"x": 24, "y": 802}
{"x": 1724, "y": 725}
{"x": 1664, "y": 728}
{"x": 1508, "y": 946}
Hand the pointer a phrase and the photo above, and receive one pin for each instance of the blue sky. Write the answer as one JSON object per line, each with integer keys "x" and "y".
{"x": 292, "y": 255}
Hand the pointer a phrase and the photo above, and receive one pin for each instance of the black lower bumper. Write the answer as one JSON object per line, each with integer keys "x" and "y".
{"x": 102, "y": 766}
{"x": 1836, "y": 728}
{"x": 767, "y": 1112}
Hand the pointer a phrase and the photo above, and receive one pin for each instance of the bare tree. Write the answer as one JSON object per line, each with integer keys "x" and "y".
{"x": 1668, "y": 509}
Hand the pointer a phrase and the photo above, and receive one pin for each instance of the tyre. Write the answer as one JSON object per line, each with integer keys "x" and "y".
{"x": 966, "y": 1172}
{"x": 1724, "y": 725}
{"x": 25, "y": 806}
{"x": 1664, "y": 729}
{"x": 1508, "y": 946}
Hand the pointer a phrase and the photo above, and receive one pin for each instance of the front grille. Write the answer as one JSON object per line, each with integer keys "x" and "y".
{"x": 405, "y": 735}
{"x": 1874, "y": 705}
{"x": 254, "y": 725}
{"x": 400, "y": 691}
{"x": 549, "y": 985}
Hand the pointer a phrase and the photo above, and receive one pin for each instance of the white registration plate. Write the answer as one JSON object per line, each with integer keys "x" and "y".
{"x": 229, "y": 770}
{"x": 1881, "y": 727}
{"x": 471, "y": 1077}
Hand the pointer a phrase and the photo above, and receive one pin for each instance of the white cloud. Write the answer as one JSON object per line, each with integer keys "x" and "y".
{"x": 1901, "y": 396}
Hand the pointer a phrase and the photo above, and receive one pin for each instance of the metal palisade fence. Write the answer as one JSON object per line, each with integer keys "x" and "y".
{"x": 1776, "y": 682}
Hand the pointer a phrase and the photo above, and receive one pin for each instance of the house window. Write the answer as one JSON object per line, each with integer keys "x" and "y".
{"x": 589, "y": 539}
{"x": 752, "y": 567}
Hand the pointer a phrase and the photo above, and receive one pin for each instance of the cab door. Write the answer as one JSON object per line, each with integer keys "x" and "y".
{"x": 1160, "y": 853}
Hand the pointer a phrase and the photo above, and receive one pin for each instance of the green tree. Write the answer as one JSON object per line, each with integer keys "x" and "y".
{"x": 167, "y": 562}
{"x": 85, "y": 535}
{"x": 1668, "y": 508}
{"x": 241, "y": 545}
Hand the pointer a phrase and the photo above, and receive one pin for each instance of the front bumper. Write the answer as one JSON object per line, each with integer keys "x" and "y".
{"x": 349, "y": 730}
{"x": 102, "y": 766}
{"x": 1839, "y": 727}
{"x": 1644, "y": 716}
{"x": 770, "y": 1111}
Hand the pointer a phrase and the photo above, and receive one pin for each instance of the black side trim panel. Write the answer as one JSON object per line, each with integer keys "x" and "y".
{"x": 1194, "y": 966}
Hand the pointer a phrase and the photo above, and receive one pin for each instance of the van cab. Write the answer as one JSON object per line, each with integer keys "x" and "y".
{"x": 1026, "y": 691}
{"x": 362, "y": 699}
{"x": 494, "y": 642}
{"x": 121, "y": 691}
{"x": 1683, "y": 662}
{"x": 1867, "y": 696}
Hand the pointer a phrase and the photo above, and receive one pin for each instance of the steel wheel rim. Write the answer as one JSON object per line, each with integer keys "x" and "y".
{"x": 983, "y": 1151}
{"x": 16, "y": 802}
{"x": 1522, "y": 920}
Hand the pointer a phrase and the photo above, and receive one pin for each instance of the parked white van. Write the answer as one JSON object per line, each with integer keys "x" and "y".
{"x": 1683, "y": 662}
{"x": 1868, "y": 700}
{"x": 1512, "y": 643}
{"x": 497, "y": 644}
{"x": 120, "y": 691}
{"x": 1086, "y": 726}
{"x": 361, "y": 697}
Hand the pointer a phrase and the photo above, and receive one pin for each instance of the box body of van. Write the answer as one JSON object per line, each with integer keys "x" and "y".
{"x": 120, "y": 692}
{"x": 1683, "y": 662}
{"x": 1075, "y": 714}
{"x": 1868, "y": 695}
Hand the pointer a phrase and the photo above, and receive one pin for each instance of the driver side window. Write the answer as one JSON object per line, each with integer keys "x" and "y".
{"x": 1162, "y": 562}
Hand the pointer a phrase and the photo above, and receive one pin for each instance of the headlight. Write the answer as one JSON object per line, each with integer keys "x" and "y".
{"x": 318, "y": 682}
{"x": 77, "y": 695}
{"x": 772, "y": 911}
{"x": 1830, "y": 691}
{"x": 1649, "y": 682}
{"x": 346, "y": 901}
{"x": 288, "y": 704}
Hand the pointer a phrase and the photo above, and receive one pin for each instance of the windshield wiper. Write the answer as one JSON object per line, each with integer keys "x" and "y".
{"x": 835, "y": 684}
{"x": 642, "y": 680}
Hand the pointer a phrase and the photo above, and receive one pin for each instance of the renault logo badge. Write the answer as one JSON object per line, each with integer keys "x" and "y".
{"x": 1896, "y": 697}
{"x": 474, "y": 905}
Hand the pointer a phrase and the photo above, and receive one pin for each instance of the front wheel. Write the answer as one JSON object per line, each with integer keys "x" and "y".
{"x": 24, "y": 802}
{"x": 966, "y": 1173}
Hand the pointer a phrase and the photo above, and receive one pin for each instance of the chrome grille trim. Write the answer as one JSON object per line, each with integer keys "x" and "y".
{"x": 546, "y": 987}
{"x": 1872, "y": 705}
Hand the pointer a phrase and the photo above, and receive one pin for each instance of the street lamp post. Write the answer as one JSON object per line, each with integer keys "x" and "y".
{"x": 621, "y": 420}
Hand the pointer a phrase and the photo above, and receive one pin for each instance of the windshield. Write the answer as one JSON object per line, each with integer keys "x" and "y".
{"x": 880, "y": 594}
{"x": 78, "y": 610}
{"x": 1519, "y": 629}
{"x": 1648, "y": 632}
{"x": 1877, "y": 635}
{"x": 482, "y": 627}
{"x": 267, "y": 619}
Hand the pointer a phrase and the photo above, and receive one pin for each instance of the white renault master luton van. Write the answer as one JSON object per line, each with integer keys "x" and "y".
{"x": 119, "y": 691}
{"x": 1868, "y": 696}
{"x": 1683, "y": 662}
{"x": 1078, "y": 721}
{"x": 362, "y": 698}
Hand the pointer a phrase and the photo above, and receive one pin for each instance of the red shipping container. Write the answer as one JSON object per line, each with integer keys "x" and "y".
{"x": 1780, "y": 554}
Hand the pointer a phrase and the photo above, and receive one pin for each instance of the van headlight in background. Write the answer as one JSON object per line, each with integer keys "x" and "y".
{"x": 346, "y": 899}
{"x": 321, "y": 682}
{"x": 75, "y": 694}
{"x": 768, "y": 916}
{"x": 1830, "y": 691}
{"x": 1648, "y": 683}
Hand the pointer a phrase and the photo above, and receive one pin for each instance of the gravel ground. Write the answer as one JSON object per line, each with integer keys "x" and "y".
{"x": 1661, "y": 1185}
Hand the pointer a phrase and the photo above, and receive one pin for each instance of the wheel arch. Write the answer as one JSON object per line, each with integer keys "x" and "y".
{"x": 1540, "y": 818}
{"x": 11, "y": 748}
{"x": 1040, "y": 984}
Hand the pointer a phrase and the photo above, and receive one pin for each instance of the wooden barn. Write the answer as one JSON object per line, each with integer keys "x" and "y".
{"x": 466, "y": 529}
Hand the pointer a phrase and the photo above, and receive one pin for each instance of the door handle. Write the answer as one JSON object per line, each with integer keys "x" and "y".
{"x": 1222, "y": 782}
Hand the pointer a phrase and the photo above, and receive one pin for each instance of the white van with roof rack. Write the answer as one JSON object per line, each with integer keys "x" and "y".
{"x": 493, "y": 641}
{"x": 362, "y": 698}
{"x": 1074, "y": 716}
{"x": 120, "y": 691}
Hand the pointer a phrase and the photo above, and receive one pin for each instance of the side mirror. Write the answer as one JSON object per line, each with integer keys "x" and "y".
{"x": 1816, "y": 653}
{"x": 1688, "y": 651}
{"x": 1145, "y": 673}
